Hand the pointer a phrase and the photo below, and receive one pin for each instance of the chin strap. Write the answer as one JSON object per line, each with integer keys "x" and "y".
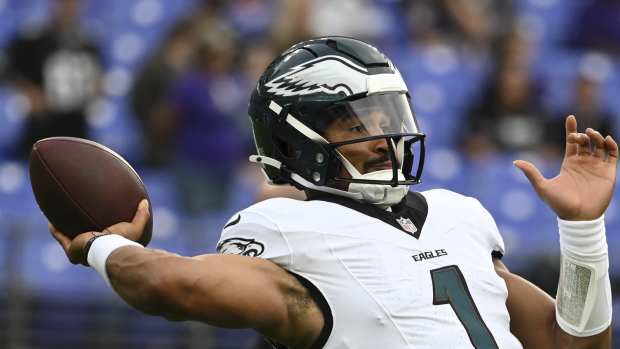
{"x": 380, "y": 194}
{"x": 377, "y": 194}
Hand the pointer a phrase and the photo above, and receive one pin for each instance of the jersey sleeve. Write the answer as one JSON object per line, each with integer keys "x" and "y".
{"x": 489, "y": 227}
{"x": 252, "y": 234}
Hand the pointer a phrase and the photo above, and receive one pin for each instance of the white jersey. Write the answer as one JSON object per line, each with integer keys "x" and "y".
{"x": 421, "y": 281}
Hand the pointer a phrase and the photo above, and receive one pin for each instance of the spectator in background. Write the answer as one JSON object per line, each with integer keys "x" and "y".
{"x": 586, "y": 105}
{"x": 252, "y": 18}
{"x": 57, "y": 68}
{"x": 510, "y": 115}
{"x": 474, "y": 23}
{"x": 363, "y": 19}
{"x": 256, "y": 58}
{"x": 291, "y": 24}
{"x": 192, "y": 93}
{"x": 152, "y": 85}
{"x": 206, "y": 114}
{"x": 599, "y": 26}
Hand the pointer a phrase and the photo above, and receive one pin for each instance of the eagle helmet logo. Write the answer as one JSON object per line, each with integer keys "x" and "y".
{"x": 328, "y": 74}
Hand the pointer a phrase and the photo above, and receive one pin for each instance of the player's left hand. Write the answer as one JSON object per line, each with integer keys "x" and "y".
{"x": 583, "y": 188}
{"x": 76, "y": 248}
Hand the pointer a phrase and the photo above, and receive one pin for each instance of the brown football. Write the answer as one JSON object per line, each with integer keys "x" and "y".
{"x": 81, "y": 186}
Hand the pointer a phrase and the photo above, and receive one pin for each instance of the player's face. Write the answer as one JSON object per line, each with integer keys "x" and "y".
{"x": 382, "y": 117}
{"x": 367, "y": 156}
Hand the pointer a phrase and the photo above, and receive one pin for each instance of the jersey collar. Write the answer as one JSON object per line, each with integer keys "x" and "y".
{"x": 412, "y": 210}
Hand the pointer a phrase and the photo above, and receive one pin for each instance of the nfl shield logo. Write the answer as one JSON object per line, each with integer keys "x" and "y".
{"x": 407, "y": 225}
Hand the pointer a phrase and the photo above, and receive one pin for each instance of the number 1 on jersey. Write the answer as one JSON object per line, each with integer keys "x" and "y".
{"x": 449, "y": 287}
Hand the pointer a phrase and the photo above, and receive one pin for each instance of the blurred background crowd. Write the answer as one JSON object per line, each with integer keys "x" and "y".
{"x": 166, "y": 85}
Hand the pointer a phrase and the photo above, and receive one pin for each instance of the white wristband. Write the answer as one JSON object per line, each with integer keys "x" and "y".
{"x": 583, "y": 301}
{"x": 101, "y": 249}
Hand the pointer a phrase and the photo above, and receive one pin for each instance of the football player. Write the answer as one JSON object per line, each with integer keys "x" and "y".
{"x": 364, "y": 262}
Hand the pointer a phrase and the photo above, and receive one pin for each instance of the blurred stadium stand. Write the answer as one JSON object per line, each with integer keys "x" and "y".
{"x": 45, "y": 303}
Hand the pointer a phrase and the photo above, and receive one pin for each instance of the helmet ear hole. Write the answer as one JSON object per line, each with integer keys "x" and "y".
{"x": 284, "y": 148}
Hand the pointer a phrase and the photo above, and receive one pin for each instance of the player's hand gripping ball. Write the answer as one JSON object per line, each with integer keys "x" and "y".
{"x": 83, "y": 186}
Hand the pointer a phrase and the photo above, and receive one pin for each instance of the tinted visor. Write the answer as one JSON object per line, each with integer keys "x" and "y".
{"x": 374, "y": 115}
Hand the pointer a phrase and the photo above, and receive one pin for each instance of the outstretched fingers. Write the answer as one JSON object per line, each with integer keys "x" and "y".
{"x": 589, "y": 143}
